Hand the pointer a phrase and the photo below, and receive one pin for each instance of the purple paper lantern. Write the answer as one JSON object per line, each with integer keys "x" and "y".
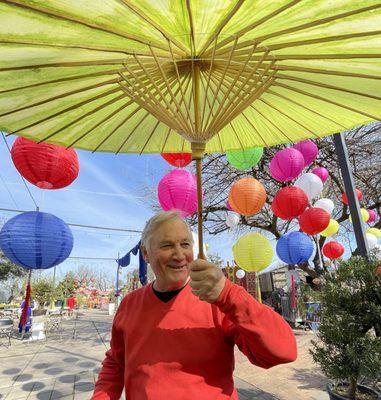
{"x": 321, "y": 172}
{"x": 372, "y": 216}
{"x": 287, "y": 164}
{"x": 178, "y": 190}
{"x": 308, "y": 149}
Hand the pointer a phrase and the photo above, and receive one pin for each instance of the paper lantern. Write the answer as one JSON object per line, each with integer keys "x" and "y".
{"x": 240, "y": 273}
{"x": 179, "y": 160}
{"x": 364, "y": 215}
{"x": 48, "y": 166}
{"x": 232, "y": 219}
{"x": 228, "y": 206}
{"x": 289, "y": 202}
{"x": 311, "y": 184}
{"x": 247, "y": 196}
{"x": 286, "y": 164}
{"x": 372, "y": 240}
{"x": 333, "y": 250}
{"x": 253, "y": 252}
{"x": 308, "y": 149}
{"x": 178, "y": 190}
{"x": 374, "y": 231}
{"x": 325, "y": 204}
{"x": 331, "y": 229}
{"x": 314, "y": 220}
{"x": 244, "y": 159}
{"x": 344, "y": 197}
{"x": 36, "y": 240}
{"x": 372, "y": 216}
{"x": 294, "y": 248}
{"x": 321, "y": 172}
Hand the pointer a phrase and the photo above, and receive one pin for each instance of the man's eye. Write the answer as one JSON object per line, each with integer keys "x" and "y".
{"x": 165, "y": 246}
{"x": 186, "y": 244}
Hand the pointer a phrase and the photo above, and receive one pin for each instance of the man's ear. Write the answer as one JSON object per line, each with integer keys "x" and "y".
{"x": 144, "y": 252}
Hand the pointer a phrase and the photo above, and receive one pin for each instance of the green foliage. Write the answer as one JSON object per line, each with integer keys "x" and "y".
{"x": 350, "y": 330}
{"x": 66, "y": 287}
{"x": 8, "y": 269}
{"x": 42, "y": 291}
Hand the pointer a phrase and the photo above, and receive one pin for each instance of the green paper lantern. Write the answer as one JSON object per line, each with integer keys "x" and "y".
{"x": 244, "y": 159}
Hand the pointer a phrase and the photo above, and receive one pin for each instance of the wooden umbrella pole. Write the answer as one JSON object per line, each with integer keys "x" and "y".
{"x": 198, "y": 150}
{"x": 199, "y": 208}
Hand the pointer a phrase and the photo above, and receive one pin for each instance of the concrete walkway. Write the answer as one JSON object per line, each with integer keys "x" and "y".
{"x": 65, "y": 366}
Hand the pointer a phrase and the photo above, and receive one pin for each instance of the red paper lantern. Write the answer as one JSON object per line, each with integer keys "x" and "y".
{"x": 333, "y": 250}
{"x": 344, "y": 197}
{"x": 47, "y": 166}
{"x": 179, "y": 160}
{"x": 314, "y": 220}
{"x": 289, "y": 202}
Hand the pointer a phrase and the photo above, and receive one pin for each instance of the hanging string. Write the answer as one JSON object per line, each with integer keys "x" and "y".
{"x": 27, "y": 188}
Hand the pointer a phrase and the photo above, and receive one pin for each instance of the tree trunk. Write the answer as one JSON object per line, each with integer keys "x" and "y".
{"x": 352, "y": 387}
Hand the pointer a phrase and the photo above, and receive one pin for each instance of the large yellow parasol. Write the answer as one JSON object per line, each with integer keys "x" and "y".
{"x": 158, "y": 76}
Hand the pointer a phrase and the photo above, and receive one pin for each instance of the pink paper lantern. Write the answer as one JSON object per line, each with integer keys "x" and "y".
{"x": 309, "y": 150}
{"x": 321, "y": 172}
{"x": 287, "y": 164}
{"x": 372, "y": 216}
{"x": 178, "y": 190}
{"x": 228, "y": 206}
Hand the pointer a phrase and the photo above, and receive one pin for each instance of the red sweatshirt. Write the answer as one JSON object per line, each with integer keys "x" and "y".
{"x": 184, "y": 349}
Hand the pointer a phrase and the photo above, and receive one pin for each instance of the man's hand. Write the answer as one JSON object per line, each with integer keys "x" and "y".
{"x": 207, "y": 280}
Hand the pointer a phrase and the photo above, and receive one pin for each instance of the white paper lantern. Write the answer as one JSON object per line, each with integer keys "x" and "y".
{"x": 325, "y": 204}
{"x": 311, "y": 184}
{"x": 232, "y": 220}
{"x": 372, "y": 240}
{"x": 240, "y": 273}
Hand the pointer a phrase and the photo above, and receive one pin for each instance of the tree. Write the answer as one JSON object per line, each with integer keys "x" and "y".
{"x": 216, "y": 260}
{"x": 66, "y": 286}
{"x": 42, "y": 291}
{"x": 349, "y": 345}
{"x": 364, "y": 146}
{"x": 8, "y": 269}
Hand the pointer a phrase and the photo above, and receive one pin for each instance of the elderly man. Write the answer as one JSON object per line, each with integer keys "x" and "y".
{"x": 174, "y": 339}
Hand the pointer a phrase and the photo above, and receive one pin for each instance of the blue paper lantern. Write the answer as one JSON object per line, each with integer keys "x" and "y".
{"x": 294, "y": 248}
{"x": 36, "y": 240}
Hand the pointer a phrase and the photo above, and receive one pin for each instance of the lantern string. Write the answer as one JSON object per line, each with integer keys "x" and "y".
{"x": 27, "y": 188}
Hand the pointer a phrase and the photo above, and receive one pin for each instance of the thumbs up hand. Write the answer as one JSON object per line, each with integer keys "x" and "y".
{"x": 207, "y": 280}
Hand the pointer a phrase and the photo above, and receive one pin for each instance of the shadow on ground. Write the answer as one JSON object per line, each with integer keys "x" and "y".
{"x": 310, "y": 379}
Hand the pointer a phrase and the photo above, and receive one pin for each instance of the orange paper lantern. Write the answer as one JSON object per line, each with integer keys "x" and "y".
{"x": 247, "y": 196}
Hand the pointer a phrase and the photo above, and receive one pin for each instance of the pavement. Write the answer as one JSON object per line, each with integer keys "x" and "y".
{"x": 66, "y": 364}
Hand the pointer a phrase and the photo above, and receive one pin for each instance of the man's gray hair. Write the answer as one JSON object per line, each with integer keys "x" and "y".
{"x": 158, "y": 219}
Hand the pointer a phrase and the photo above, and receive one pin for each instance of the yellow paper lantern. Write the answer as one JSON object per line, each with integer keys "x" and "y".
{"x": 374, "y": 231}
{"x": 331, "y": 229}
{"x": 364, "y": 215}
{"x": 253, "y": 252}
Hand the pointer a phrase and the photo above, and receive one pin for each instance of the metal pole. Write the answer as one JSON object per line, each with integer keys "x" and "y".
{"x": 354, "y": 206}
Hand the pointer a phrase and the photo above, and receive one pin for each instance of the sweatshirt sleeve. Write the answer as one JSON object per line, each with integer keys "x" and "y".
{"x": 110, "y": 382}
{"x": 260, "y": 333}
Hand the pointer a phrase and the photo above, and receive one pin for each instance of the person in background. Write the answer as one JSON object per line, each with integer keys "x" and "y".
{"x": 71, "y": 304}
{"x": 174, "y": 338}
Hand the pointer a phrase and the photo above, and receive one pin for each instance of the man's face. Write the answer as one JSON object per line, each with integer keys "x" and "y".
{"x": 169, "y": 252}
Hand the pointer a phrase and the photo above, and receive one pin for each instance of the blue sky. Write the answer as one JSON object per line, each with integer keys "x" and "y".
{"x": 109, "y": 192}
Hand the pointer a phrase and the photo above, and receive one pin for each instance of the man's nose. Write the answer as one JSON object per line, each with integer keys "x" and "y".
{"x": 178, "y": 252}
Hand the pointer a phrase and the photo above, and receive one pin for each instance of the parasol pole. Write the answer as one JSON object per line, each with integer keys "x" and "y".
{"x": 198, "y": 150}
{"x": 354, "y": 206}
